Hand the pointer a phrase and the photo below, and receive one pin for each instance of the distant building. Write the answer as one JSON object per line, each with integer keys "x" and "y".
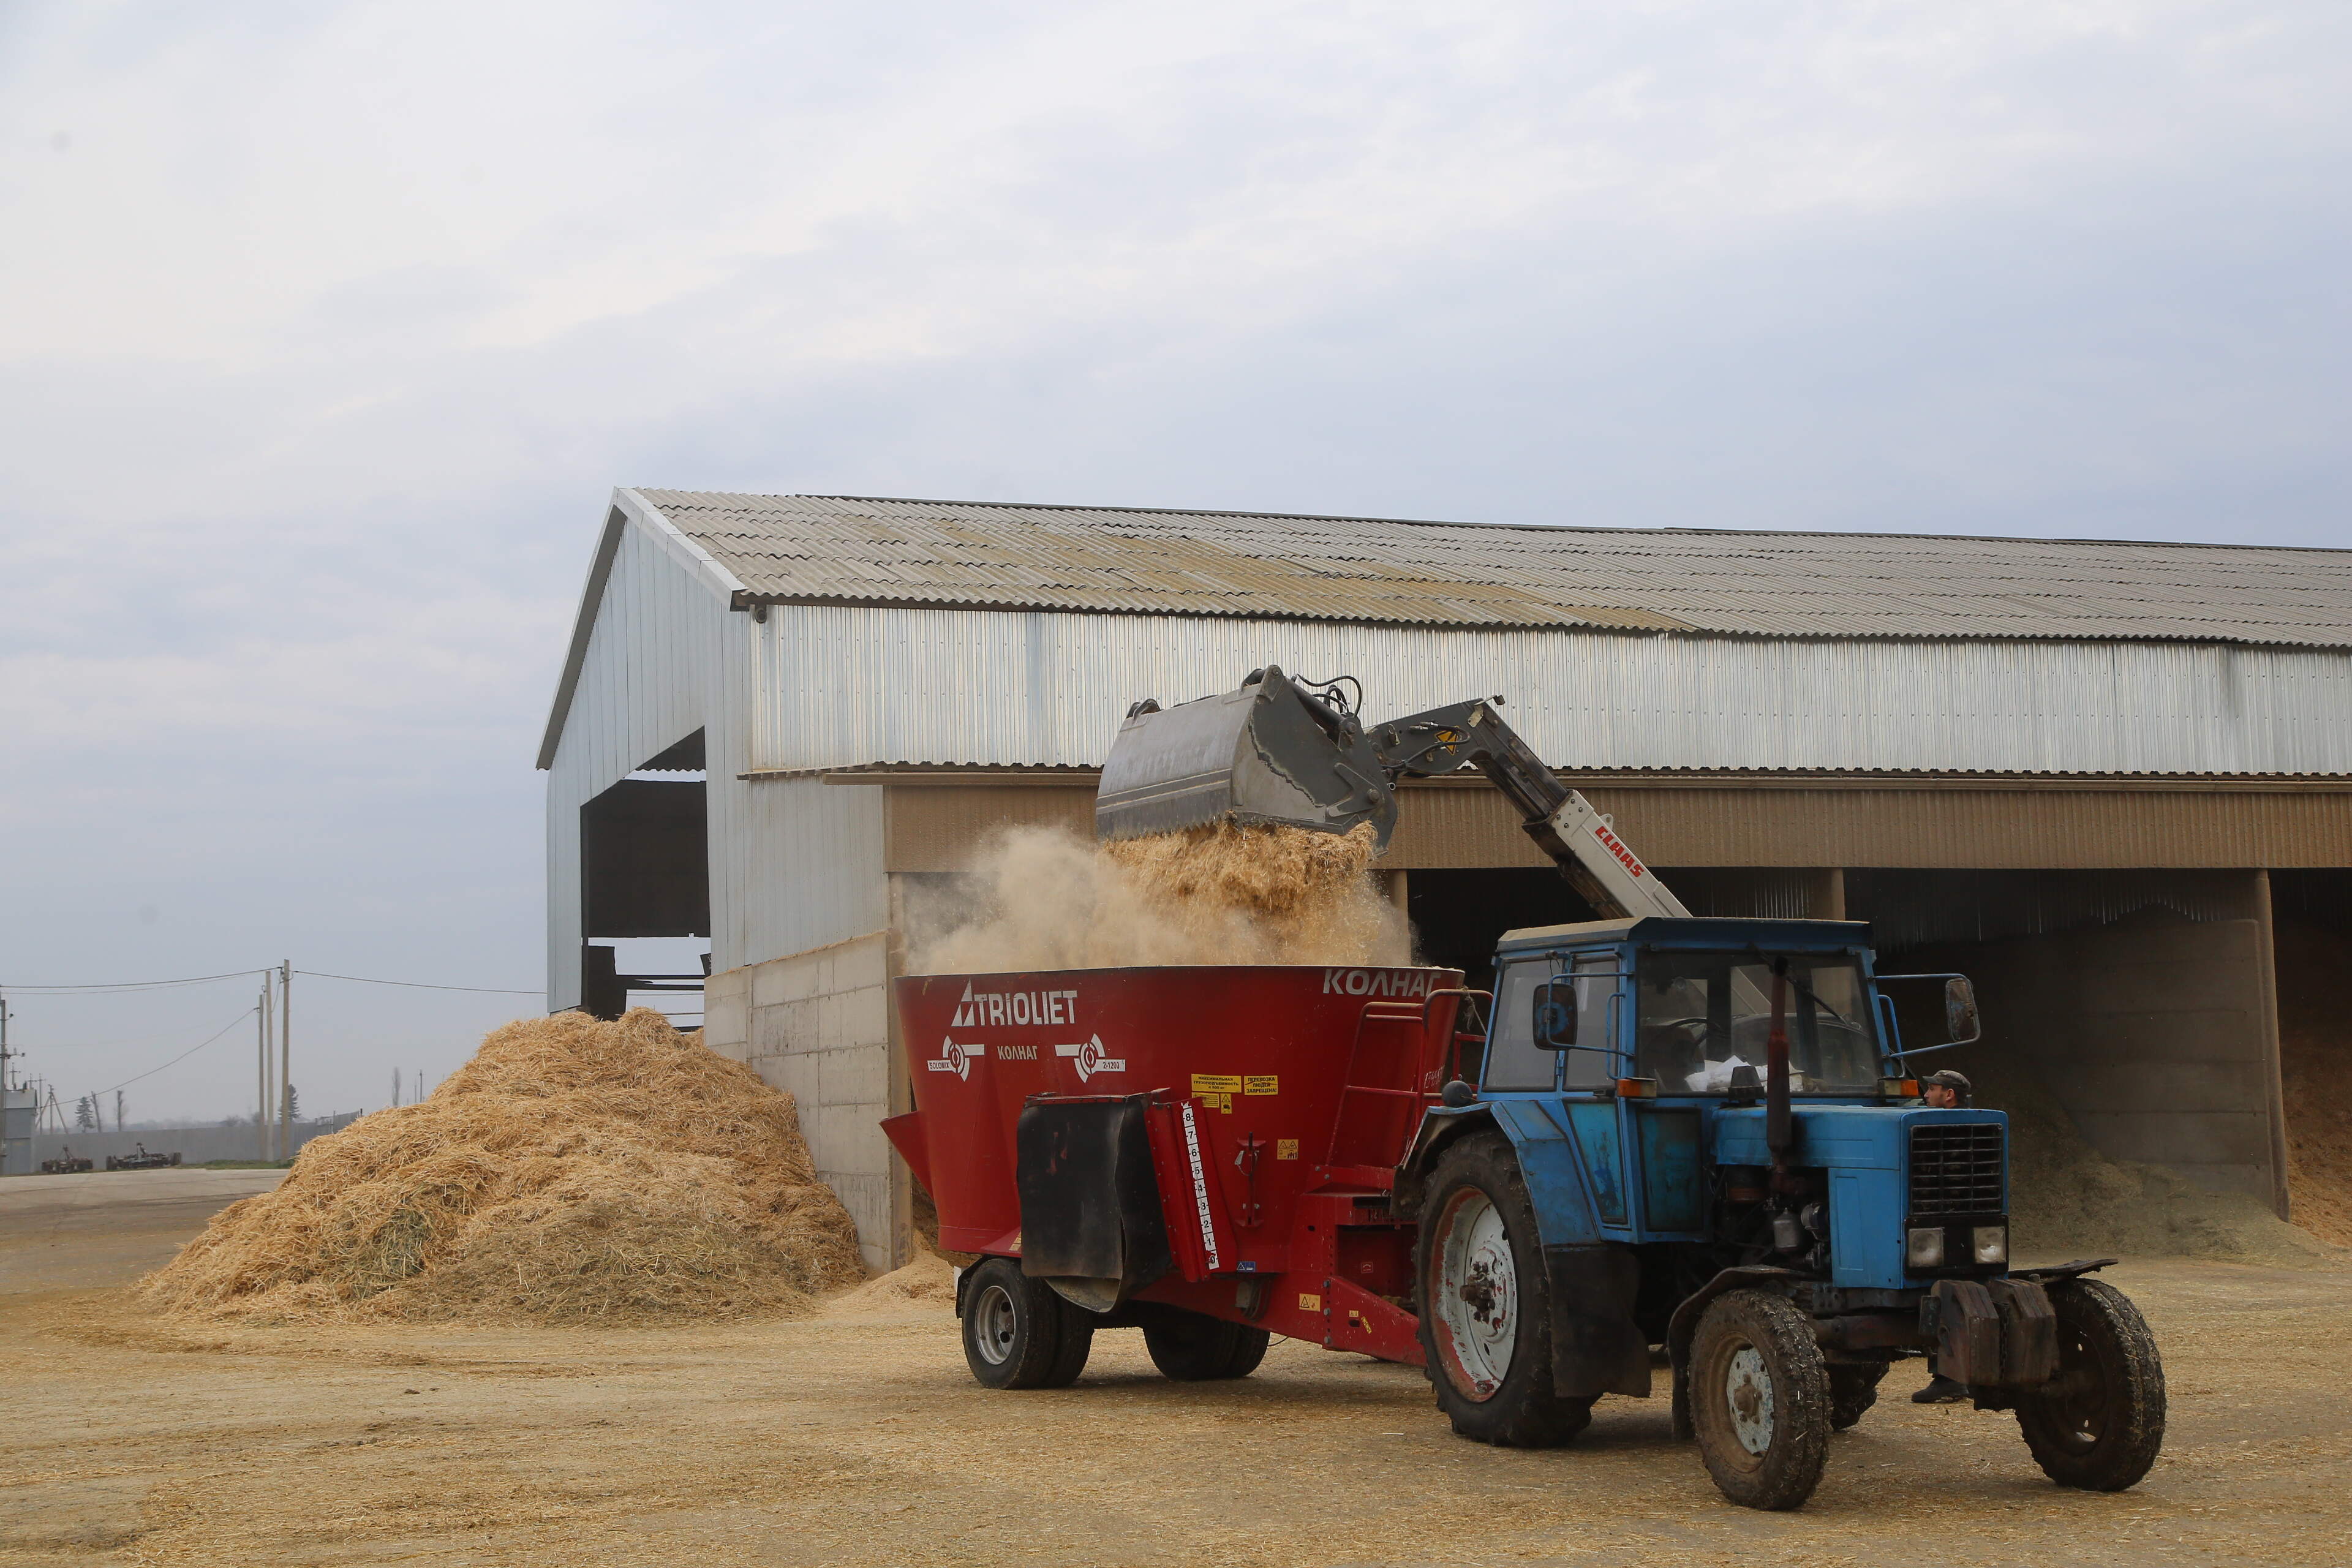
{"x": 1994, "y": 750}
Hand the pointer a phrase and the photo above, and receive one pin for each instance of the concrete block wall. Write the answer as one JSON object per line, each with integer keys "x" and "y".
{"x": 817, "y": 1026}
{"x": 2156, "y": 1035}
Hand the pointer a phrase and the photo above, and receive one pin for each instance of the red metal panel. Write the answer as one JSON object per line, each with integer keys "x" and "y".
{"x": 1263, "y": 1053}
{"x": 906, "y": 1135}
{"x": 1197, "y": 1234}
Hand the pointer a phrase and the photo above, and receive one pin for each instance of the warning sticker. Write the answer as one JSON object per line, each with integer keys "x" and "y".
{"x": 1262, "y": 1083}
{"x": 1309, "y": 1303}
{"x": 1219, "y": 1102}
{"x": 1216, "y": 1083}
{"x": 1285, "y": 1147}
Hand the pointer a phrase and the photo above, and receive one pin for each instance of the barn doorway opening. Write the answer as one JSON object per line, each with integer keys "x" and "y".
{"x": 645, "y": 888}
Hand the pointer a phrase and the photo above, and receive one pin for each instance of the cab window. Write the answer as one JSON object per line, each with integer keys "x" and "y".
{"x": 1596, "y": 988}
{"x": 1703, "y": 1016}
{"x": 1514, "y": 1060}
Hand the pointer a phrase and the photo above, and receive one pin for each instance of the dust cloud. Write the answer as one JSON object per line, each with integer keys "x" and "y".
{"x": 1043, "y": 898}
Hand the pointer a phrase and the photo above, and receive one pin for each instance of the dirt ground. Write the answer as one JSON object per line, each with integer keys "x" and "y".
{"x": 861, "y": 1439}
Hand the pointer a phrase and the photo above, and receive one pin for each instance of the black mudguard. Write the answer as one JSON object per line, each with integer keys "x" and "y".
{"x": 1089, "y": 1201}
{"x": 1596, "y": 1346}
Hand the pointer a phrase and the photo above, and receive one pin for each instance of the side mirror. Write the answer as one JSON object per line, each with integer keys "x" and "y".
{"x": 1961, "y": 1020}
{"x": 1555, "y": 1017}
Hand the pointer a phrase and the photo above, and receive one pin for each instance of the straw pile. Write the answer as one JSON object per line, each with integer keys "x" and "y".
{"x": 1221, "y": 894}
{"x": 2067, "y": 1198}
{"x": 2315, "y": 1063}
{"x": 574, "y": 1170}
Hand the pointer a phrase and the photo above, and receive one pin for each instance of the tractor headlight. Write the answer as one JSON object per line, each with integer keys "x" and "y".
{"x": 1926, "y": 1248}
{"x": 1991, "y": 1243}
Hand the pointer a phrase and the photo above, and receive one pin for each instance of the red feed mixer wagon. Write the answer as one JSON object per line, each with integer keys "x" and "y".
{"x": 1202, "y": 1152}
{"x": 1699, "y": 1136}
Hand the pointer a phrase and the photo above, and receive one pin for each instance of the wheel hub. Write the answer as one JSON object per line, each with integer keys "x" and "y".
{"x": 1478, "y": 1295}
{"x": 1747, "y": 1391}
{"x": 994, "y": 1324}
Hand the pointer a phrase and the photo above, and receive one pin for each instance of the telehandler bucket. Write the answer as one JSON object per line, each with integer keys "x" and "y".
{"x": 1268, "y": 753}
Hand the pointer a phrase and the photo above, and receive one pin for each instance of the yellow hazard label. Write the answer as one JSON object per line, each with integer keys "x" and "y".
{"x": 1309, "y": 1303}
{"x": 1285, "y": 1147}
{"x": 1262, "y": 1083}
{"x": 1205, "y": 1083}
{"x": 1224, "y": 1103}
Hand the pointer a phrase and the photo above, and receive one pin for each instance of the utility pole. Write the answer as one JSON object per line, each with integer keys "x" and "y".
{"x": 261, "y": 1076}
{"x": 118, "y": 1111}
{"x": 285, "y": 1060}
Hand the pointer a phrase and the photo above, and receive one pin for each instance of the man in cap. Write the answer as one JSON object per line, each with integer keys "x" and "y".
{"x": 1945, "y": 1090}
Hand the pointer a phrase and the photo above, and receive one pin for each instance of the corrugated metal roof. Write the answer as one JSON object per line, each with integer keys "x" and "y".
{"x": 859, "y": 551}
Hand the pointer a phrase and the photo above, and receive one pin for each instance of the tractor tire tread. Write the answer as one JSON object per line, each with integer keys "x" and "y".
{"x": 1524, "y": 1413}
{"x": 2102, "y": 1312}
{"x": 1853, "y": 1389}
{"x": 1787, "y": 1473}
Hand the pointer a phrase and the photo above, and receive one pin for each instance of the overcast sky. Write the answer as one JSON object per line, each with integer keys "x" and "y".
{"x": 325, "y": 330}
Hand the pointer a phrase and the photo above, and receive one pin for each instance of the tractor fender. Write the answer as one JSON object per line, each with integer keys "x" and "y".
{"x": 1684, "y": 1325}
{"x": 1442, "y": 1126}
{"x": 1554, "y": 1176}
{"x": 1597, "y": 1346}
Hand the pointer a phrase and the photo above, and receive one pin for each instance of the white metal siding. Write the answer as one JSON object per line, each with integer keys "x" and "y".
{"x": 652, "y": 658}
{"x": 805, "y": 867}
{"x": 789, "y": 869}
{"x": 836, "y": 686}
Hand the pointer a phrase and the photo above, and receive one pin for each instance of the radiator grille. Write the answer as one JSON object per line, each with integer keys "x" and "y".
{"x": 1956, "y": 1167}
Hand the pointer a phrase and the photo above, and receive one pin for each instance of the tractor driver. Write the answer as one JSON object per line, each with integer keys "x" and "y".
{"x": 1945, "y": 1090}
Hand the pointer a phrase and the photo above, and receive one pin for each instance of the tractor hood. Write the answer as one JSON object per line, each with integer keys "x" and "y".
{"x": 1837, "y": 1137}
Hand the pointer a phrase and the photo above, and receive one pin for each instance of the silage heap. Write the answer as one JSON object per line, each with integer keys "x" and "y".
{"x": 1221, "y": 894}
{"x": 574, "y": 1170}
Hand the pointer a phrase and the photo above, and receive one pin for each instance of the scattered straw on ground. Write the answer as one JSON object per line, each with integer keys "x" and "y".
{"x": 927, "y": 1281}
{"x": 2068, "y": 1197}
{"x": 574, "y": 1170}
{"x": 1223, "y": 894}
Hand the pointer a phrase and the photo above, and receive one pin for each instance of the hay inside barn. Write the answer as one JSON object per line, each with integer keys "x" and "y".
{"x": 573, "y": 1172}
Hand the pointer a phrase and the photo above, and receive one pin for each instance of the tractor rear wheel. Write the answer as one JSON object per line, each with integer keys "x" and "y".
{"x": 1018, "y": 1333}
{"x": 2098, "y": 1426}
{"x": 1192, "y": 1347}
{"x": 1485, "y": 1302}
{"x": 1759, "y": 1398}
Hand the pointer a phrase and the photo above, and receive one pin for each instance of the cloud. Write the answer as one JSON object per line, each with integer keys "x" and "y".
{"x": 324, "y": 330}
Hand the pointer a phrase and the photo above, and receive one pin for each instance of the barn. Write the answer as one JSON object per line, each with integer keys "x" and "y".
{"x": 2113, "y": 780}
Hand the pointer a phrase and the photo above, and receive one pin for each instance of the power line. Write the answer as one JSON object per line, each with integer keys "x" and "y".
{"x": 137, "y": 984}
{"x": 183, "y": 1056}
{"x": 424, "y": 985}
{"x": 246, "y": 974}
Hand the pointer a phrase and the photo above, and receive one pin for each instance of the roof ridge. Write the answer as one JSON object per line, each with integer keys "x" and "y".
{"x": 1524, "y": 526}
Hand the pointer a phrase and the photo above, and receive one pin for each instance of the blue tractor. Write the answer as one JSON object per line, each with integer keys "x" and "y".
{"x": 1689, "y": 1137}
{"x": 1700, "y": 1135}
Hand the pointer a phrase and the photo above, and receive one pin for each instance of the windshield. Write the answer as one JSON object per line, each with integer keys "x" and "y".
{"x": 1704, "y": 1015}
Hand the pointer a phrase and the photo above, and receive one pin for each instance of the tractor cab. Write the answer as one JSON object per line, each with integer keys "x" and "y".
{"x": 1653, "y": 1039}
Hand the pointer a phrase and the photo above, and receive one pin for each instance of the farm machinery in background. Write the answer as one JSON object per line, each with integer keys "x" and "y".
{"x": 1668, "y": 1135}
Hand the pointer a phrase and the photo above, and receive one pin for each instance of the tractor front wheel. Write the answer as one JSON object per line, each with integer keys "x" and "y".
{"x": 2098, "y": 1425}
{"x": 1486, "y": 1304}
{"x": 1759, "y": 1398}
{"x": 1853, "y": 1389}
